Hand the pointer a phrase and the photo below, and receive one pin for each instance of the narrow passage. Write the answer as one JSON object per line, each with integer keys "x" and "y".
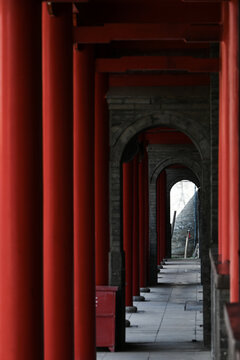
{"x": 168, "y": 325}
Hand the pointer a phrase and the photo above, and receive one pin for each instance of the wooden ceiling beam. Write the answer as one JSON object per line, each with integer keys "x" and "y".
{"x": 146, "y": 80}
{"x": 66, "y": 1}
{"x": 204, "y": 1}
{"x": 120, "y": 32}
{"x": 175, "y": 137}
{"x": 194, "y": 13}
{"x": 157, "y": 63}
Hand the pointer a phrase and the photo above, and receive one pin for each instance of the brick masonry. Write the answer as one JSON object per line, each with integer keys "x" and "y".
{"x": 133, "y": 110}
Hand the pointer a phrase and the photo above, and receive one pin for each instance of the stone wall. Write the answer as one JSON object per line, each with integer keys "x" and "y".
{"x": 159, "y": 158}
{"x": 133, "y": 110}
{"x": 185, "y": 221}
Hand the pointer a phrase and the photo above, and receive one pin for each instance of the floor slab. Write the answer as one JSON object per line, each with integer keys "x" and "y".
{"x": 166, "y": 327}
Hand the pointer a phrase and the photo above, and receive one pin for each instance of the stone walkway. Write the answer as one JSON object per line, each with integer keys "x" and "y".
{"x": 168, "y": 325}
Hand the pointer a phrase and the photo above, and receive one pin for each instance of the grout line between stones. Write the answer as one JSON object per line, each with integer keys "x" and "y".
{"x": 170, "y": 294}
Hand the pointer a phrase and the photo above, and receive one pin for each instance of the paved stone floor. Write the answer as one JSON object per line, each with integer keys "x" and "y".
{"x": 168, "y": 325}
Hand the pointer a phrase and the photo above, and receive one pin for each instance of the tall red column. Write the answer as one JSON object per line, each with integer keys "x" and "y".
{"x": 84, "y": 259}
{"x": 127, "y": 230}
{"x": 224, "y": 146}
{"x": 20, "y": 181}
{"x": 162, "y": 214}
{"x": 141, "y": 225}
{"x": 146, "y": 212}
{"x": 101, "y": 179}
{"x": 136, "y": 286}
{"x": 142, "y": 257}
{"x": 58, "y": 183}
{"x": 159, "y": 255}
{"x": 234, "y": 149}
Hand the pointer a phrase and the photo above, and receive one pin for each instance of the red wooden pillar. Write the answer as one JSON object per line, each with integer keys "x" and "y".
{"x": 224, "y": 146}
{"x": 142, "y": 257}
{"x": 141, "y": 226}
{"x": 58, "y": 183}
{"x": 127, "y": 231}
{"x": 233, "y": 69}
{"x": 136, "y": 284}
{"x": 159, "y": 255}
{"x": 162, "y": 214}
{"x": 84, "y": 246}
{"x": 20, "y": 181}
{"x": 146, "y": 213}
{"x": 101, "y": 179}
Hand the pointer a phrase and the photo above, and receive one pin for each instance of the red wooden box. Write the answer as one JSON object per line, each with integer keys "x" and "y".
{"x": 106, "y": 316}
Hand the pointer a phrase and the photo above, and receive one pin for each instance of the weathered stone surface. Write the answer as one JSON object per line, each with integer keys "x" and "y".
{"x": 186, "y": 109}
{"x": 185, "y": 222}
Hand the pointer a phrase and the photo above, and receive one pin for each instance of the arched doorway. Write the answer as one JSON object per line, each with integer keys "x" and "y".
{"x": 127, "y": 121}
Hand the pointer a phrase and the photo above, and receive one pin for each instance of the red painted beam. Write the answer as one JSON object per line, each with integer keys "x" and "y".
{"x": 155, "y": 45}
{"x": 179, "y": 12}
{"x": 66, "y": 1}
{"x": 204, "y": 1}
{"x": 110, "y": 32}
{"x": 167, "y": 138}
{"x": 158, "y": 80}
{"x": 157, "y": 63}
{"x": 156, "y": 1}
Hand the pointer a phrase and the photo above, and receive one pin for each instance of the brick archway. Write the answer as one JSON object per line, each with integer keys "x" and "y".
{"x": 125, "y": 123}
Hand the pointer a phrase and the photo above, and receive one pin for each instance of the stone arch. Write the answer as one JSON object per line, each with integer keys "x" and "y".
{"x": 191, "y": 164}
{"x": 188, "y": 126}
{"x": 199, "y": 135}
{"x": 192, "y": 178}
{"x": 185, "y": 174}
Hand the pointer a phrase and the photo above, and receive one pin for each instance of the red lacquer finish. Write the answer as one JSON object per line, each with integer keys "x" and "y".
{"x": 162, "y": 214}
{"x": 234, "y": 149}
{"x": 20, "y": 181}
{"x": 142, "y": 258}
{"x": 136, "y": 290}
{"x": 58, "y": 183}
{"x": 224, "y": 146}
{"x": 84, "y": 259}
{"x": 127, "y": 228}
{"x": 106, "y": 297}
{"x": 119, "y": 80}
{"x": 137, "y": 31}
{"x": 186, "y": 63}
{"x": 158, "y": 222}
{"x": 159, "y": 12}
{"x": 229, "y": 147}
{"x": 101, "y": 179}
{"x": 146, "y": 212}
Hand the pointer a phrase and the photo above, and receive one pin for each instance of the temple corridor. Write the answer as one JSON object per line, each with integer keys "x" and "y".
{"x": 168, "y": 324}
{"x": 105, "y": 105}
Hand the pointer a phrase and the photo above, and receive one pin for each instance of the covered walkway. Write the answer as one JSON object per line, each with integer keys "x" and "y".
{"x": 168, "y": 325}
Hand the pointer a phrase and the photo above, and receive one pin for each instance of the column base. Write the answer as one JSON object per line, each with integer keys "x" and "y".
{"x": 160, "y": 267}
{"x": 131, "y": 309}
{"x": 138, "y": 298}
{"x": 145, "y": 290}
{"x": 127, "y": 323}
